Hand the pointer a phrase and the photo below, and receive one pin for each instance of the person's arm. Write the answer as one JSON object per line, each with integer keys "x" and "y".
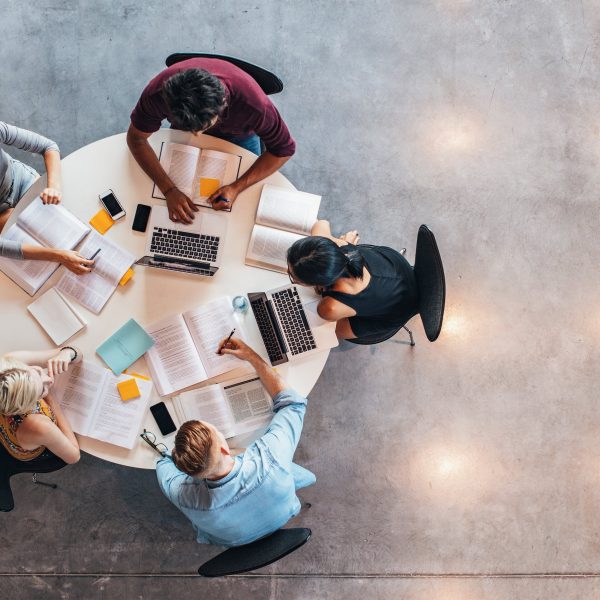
{"x": 181, "y": 208}
{"x": 322, "y": 228}
{"x": 169, "y": 477}
{"x": 58, "y": 438}
{"x": 56, "y": 360}
{"x": 269, "y": 377}
{"x": 52, "y": 194}
{"x": 71, "y": 259}
{"x": 331, "y": 309}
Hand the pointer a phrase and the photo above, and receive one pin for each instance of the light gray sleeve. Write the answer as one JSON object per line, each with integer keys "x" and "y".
{"x": 11, "y": 249}
{"x": 23, "y": 139}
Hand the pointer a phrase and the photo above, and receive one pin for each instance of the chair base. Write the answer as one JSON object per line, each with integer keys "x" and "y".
{"x": 35, "y": 479}
{"x": 378, "y": 339}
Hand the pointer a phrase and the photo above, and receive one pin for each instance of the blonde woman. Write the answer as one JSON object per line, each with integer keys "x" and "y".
{"x": 31, "y": 421}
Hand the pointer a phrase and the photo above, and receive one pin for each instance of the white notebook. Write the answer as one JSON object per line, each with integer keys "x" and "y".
{"x": 233, "y": 407}
{"x": 93, "y": 290}
{"x": 283, "y": 216}
{"x": 184, "y": 351}
{"x": 188, "y": 165}
{"x": 49, "y": 225}
{"x": 56, "y": 316}
{"x": 89, "y": 398}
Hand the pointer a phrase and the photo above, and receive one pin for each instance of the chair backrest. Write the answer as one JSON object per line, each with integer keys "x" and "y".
{"x": 429, "y": 273}
{"x": 9, "y": 466}
{"x": 269, "y": 82}
{"x": 256, "y": 555}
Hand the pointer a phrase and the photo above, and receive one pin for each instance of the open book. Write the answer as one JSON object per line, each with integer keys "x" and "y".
{"x": 93, "y": 290}
{"x": 197, "y": 172}
{"x": 89, "y": 398}
{"x": 49, "y": 225}
{"x": 185, "y": 345}
{"x": 283, "y": 216}
{"x": 234, "y": 407}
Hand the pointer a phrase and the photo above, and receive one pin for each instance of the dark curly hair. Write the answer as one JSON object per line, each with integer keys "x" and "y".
{"x": 194, "y": 98}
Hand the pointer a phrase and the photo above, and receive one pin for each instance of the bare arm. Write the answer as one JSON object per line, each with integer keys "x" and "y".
{"x": 71, "y": 259}
{"x": 322, "y": 228}
{"x": 40, "y": 358}
{"x": 269, "y": 377}
{"x": 52, "y": 193}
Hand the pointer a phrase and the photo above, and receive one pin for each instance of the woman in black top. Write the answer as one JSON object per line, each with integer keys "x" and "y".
{"x": 367, "y": 290}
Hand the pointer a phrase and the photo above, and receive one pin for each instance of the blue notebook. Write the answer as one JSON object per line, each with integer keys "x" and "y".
{"x": 125, "y": 346}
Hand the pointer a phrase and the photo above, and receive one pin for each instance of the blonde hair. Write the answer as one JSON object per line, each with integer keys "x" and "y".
{"x": 18, "y": 392}
{"x": 193, "y": 448}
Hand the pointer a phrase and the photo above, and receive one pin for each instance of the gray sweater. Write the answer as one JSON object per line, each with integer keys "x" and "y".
{"x": 23, "y": 140}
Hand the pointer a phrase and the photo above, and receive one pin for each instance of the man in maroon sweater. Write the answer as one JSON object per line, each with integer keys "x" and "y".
{"x": 209, "y": 95}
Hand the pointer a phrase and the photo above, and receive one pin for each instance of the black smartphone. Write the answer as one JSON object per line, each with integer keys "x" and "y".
{"x": 163, "y": 418}
{"x": 142, "y": 214}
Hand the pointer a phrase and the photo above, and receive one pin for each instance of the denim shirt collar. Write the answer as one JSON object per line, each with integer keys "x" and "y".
{"x": 237, "y": 465}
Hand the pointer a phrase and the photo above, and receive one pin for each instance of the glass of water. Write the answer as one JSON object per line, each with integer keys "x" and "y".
{"x": 240, "y": 304}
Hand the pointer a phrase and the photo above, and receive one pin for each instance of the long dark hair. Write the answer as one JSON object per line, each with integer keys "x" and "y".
{"x": 317, "y": 260}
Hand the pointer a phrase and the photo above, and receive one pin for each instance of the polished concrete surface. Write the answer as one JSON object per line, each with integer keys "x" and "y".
{"x": 460, "y": 470}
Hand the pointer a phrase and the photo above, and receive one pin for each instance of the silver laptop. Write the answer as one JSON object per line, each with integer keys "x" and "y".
{"x": 196, "y": 248}
{"x": 289, "y": 324}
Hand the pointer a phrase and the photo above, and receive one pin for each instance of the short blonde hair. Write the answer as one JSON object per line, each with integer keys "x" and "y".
{"x": 18, "y": 392}
{"x": 193, "y": 448}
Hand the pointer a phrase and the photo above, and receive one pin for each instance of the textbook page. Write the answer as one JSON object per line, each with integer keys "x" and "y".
{"x": 180, "y": 162}
{"x": 30, "y": 275}
{"x": 52, "y": 225}
{"x": 94, "y": 289}
{"x": 290, "y": 210}
{"x": 268, "y": 248}
{"x": 208, "y": 325}
{"x": 173, "y": 360}
{"x": 221, "y": 167}
{"x": 207, "y": 404}
{"x": 250, "y": 404}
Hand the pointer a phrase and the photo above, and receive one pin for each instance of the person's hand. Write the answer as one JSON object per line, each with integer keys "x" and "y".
{"x": 227, "y": 191}
{"x": 319, "y": 289}
{"x": 237, "y": 348}
{"x": 60, "y": 362}
{"x": 181, "y": 208}
{"x": 76, "y": 263}
{"x": 51, "y": 195}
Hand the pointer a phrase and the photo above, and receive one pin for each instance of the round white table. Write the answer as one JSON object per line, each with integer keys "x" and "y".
{"x": 152, "y": 293}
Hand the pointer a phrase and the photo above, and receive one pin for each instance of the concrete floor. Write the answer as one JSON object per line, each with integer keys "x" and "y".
{"x": 461, "y": 470}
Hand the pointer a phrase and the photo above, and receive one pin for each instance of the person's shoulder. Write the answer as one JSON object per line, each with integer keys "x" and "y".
{"x": 329, "y": 308}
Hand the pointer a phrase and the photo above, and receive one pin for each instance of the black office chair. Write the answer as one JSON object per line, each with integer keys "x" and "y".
{"x": 9, "y": 466}
{"x": 269, "y": 82}
{"x": 431, "y": 284}
{"x": 256, "y": 555}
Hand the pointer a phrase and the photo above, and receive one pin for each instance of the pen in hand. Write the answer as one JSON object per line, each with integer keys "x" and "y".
{"x": 226, "y": 341}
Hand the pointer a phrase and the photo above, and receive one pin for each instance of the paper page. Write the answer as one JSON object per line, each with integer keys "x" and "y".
{"x": 179, "y": 161}
{"x": 112, "y": 262}
{"x": 209, "y": 324}
{"x": 214, "y": 165}
{"x": 94, "y": 289}
{"x": 118, "y": 422}
{"x": 173, "y": 360}
{"x": 56, "y": 316}
{"x": 251, "y": 406}
{"x": 28, "y": 274}
{"x": 52, "y": 224}
{"x": 268, "y": 247}
{"x": 287, "y": 209}
{"x": 77, "y": 392}
{"x": 207, "y": 404}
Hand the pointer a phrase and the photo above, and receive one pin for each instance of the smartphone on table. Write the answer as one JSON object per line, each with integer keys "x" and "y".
{"x": 140, "y": 221}
{"x": 163, "y": 418}
{"x": 112, "y": 205}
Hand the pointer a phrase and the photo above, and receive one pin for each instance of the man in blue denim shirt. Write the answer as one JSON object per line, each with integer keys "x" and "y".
{"x": 235, "y": 500}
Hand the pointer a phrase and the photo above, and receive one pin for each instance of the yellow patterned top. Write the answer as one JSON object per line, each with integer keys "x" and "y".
{"x": 8, "y": 431}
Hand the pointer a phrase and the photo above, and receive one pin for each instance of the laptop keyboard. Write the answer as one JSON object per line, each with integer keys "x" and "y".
{"x": 184, "y": 244}
{"x": 293, "y": 320}
{"x": 259, "y": 308}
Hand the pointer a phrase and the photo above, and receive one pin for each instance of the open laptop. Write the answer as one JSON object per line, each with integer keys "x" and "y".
{"x": 289, "y": 324}
{"x": 196, "y": 248}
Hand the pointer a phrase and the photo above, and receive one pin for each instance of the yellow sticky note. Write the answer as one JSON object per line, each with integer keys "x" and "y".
{"x": 144, "y": 377}
{"x": 128, "y": 275}
{"x": 101, "y": 222}
{"x": 128, "y": 389}
{"x": 209, "y": 186}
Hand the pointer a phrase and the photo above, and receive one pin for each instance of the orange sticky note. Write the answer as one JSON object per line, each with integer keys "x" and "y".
{"x": 209, "y": 186}
{"x": 101, "y": 221}
{"x": 144, "y": 377}
{"x": 128, "y": 389}
{"x": 128, "y": 275}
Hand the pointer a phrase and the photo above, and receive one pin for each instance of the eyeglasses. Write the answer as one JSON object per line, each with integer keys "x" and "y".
{"x": 150, "y": 439}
